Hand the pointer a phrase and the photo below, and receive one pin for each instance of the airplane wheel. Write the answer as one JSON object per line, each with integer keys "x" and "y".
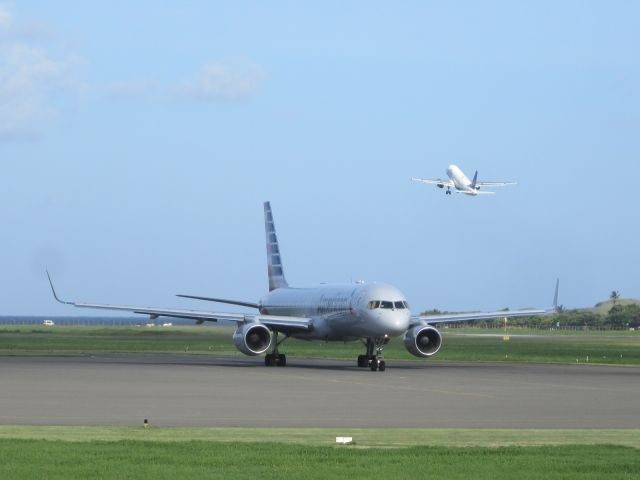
{"x": 382, "y": 366}
{"x": 268, "y": 360}
{"x": 282, "y": 360}
{"x": 374, "y": 365}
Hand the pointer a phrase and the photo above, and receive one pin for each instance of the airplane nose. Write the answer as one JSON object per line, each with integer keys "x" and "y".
{"x": 396, "y": 322}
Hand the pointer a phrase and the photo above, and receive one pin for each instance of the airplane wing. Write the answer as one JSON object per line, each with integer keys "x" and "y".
{"x": 274, "y": 322}
{"x": 464, "y": 317}
{"x": 495, "y": 184}
{"x": 444, "y": 183}
{"x": 221, "y": 300}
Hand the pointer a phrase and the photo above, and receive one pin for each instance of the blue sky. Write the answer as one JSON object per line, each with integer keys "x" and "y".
{"x": 139, "y": 141}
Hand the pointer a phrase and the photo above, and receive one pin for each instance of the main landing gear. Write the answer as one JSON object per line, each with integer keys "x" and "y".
{"x": 274, "y": 358}
{"x": 374, "y": 359}
{"x": 448, "y": 192}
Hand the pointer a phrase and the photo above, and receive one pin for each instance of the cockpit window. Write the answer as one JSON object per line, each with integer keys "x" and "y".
{"x": 406, "y": 305}
{"x": 399, "y": 305}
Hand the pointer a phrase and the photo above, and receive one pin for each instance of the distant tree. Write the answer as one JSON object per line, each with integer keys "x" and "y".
{"x": 616, "y": 316}
{"x": 633, "y": 315}
{"x": 622, "y": 316}
{"x": 614, "y": 297}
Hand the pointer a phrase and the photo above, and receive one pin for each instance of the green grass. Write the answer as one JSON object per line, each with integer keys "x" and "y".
{"x": 593, "y": 349}
{"x": 560, "y": 349}
{"x": 547, "y": 332}
{"x": 364, "y": 437}
{"x": 28, "y": 459}
{"x": 79, "y": 340}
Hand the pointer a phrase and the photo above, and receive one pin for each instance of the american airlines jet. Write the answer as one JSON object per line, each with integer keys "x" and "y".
{"x": 462, "y": 184}
{"x": 369, "y": 312}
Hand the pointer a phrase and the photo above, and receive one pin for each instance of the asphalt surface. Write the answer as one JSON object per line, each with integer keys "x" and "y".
{"x": 224, "y": 392}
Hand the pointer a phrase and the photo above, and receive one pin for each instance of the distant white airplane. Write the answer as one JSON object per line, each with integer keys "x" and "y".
{"x": 370, "y": 312}
{"x": 461, "y": 182}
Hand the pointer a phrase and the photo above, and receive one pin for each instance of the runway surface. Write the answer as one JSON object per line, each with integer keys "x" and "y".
{"x": 224, "y": 392}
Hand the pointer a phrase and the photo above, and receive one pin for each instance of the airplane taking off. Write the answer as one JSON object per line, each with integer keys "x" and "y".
{"x": 370, "y": 312}
{"x": 461, "y": 182}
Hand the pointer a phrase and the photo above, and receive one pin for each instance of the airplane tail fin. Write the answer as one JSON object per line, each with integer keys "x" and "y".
{"x": 274, "y": 261}
{"x": 475, "y": 180}
{"x": 555, "y": 295}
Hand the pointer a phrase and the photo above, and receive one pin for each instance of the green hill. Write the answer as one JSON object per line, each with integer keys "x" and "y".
{"x": 602, "y": 308}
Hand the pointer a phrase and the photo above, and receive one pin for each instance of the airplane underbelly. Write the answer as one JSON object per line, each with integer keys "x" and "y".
{"x": 343, "y": 327}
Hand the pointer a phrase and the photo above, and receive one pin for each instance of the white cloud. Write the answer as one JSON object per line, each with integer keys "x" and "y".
{"x": 223, "y": 81}
{"x": 37, "y": 81}
{"x": 5, "y": 19}
{"x": 30, "y": 81}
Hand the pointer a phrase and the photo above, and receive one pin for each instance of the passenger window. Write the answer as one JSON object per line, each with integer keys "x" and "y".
{"x": 385, "y": 304}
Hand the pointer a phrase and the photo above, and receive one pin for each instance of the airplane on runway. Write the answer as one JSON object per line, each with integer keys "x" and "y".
{"x": 462, "y": 184}
{"x": 370, "y": 312}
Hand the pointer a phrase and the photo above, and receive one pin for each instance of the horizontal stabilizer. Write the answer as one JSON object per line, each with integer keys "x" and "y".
{"x": 476, "y": 192}
{"x": 495, "y": 184}
{"x": 484, "y": 192}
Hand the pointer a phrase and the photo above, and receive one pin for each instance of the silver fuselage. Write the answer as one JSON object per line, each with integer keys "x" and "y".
{"x": 342, "y": 312}
{"x": 460, "y": 181}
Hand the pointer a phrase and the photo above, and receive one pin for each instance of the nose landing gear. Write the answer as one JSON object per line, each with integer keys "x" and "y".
{"x": 374, "y": 359}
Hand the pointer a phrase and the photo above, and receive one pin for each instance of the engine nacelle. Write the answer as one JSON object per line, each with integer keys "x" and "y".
{"x": 423, "y": 341}
{"x": 252, "y": 338}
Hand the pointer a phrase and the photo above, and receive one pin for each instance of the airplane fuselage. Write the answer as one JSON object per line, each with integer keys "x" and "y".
{"x": 342, "y": 312}
{"x": 460, "y": 181}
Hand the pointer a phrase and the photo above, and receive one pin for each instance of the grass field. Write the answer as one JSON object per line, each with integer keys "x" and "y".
{"x": 363, "y": 437}
{"x": 547, "y": 332}
{"x": 28, "y": 459}
{"x": 37, "y": 340}
{"x": 103, "y": 452}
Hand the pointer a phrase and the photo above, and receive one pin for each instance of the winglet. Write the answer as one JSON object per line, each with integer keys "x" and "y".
{"x": 53, "y": 290}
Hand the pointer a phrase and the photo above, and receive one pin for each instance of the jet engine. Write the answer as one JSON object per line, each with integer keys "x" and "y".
{"x": 252, "y": 338}
{"x": 423, "y": 341}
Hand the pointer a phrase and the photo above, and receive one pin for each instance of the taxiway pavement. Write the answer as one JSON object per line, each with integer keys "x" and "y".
{"x": 174, "y": 390}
